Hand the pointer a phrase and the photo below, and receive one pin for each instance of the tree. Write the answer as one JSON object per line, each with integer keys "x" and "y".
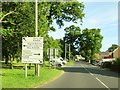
{"x": 112, "y": 48}
{"x": 18, "y": 21}
{"x": 90, "y": 43}
{"x": 71, "y": 37}
{"x": 52, "y": 43}
{"x": 62, "y": 46}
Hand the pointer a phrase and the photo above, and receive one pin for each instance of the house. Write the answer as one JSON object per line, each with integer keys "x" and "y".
{"x": 101, "y": 55}
{"x": 116, "y": 53}
{"x": 98, "y": 57}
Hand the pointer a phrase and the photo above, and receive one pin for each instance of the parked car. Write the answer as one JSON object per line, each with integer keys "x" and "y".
{"x": 76, "y": 60}
{"x": 56, "y": 62}
{"x": 62, "y": 60}
{"x": 96, "y": 63}
{"x": 107, "y": 62}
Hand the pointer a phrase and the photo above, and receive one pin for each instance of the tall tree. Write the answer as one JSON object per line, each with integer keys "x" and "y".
{"x": 112, "y": 48}
{"x": 16, "y": 23}
{"x": 18, "y": 20}
{"x": 90, "y": 43}
{"x": 52, "y": 43}
{"x": 71, "y": 37}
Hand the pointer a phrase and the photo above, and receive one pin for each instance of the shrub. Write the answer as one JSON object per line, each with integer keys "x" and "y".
{"x": 106, "y": 65}
{"x": 116, "y": 65}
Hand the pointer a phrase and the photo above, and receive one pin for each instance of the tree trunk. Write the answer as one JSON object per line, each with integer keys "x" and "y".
{"x": 6, "y": 59}
{"x": 11, "y": 65}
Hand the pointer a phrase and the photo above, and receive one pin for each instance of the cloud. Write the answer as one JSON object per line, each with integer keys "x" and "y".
{"x": 99, "y": 20}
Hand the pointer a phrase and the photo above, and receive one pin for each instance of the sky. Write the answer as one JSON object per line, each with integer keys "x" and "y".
{"x": 103, "y": 15}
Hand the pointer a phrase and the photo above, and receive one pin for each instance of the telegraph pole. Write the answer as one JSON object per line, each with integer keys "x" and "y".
{"x": 36, "y": 19}
{"x": 69, "y": 52}
{"x": 65, "y": 51}
{"x": 37, "y": 66}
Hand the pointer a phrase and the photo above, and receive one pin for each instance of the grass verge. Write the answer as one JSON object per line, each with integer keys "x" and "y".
{"x": 70, "y": 63}
{"x": 15, "y": 78}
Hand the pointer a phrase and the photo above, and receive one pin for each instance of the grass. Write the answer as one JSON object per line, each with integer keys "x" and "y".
{"x": 70, "y": 63}
{"x": 15, "y": 78}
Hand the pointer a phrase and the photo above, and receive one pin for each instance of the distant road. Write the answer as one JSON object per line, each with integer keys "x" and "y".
{"x": 85, "y": 75}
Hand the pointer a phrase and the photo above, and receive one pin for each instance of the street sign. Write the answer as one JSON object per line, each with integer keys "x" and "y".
{"x": 52, "y": 53}
{"x": 55, "y": 52}
{"x": 32, "y": 50}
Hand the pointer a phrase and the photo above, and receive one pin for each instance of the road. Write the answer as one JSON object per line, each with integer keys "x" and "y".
{"x": 85, "y": 75}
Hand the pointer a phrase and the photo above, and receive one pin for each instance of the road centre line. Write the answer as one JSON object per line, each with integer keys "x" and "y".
{"x": 96, "y": 78}
{"x": 88, "y": 71}
{"x": 103, "y": 83}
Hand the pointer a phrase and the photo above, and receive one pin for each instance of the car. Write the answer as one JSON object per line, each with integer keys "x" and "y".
{"x": 96, "y": 63}
{"x": 76, "y": 60}
{"x": 107, "y": 62}
{"x": 62, "y": 60}
{"x": 56, "y": 63}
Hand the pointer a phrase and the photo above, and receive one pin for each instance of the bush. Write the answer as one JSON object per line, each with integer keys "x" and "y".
{"x": 116, "y": 65}
{"x": 106, "y": 65}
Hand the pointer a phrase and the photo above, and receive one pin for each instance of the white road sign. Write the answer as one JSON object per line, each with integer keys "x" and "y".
{"x": 32, "y": 50}
{"x": 52, "y": 53}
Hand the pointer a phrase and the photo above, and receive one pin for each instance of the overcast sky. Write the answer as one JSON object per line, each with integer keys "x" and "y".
{"x": 103, "y": 15}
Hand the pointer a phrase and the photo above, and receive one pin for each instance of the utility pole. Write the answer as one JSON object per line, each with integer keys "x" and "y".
{"x": 65, "y": 51}
{"x": 36, "y": 19}
{"x": 69, "y": 52}
{"x": 37, "y": 66}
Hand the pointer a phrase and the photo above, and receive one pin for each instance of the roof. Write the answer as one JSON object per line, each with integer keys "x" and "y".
{"x": 116, "y": 49}
{"x": 104, "y": 53}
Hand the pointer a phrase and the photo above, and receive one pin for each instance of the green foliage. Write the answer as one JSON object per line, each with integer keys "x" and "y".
{"x": 62, "y": 46}
{"x": 66, "y": 11}
{"x": 51, "y": 43}
{"x": 71, "y": 37}
{"x": 16, "y": 23}
{"x": 87, "y": 44}
{"x": 117, "y": 62}
{"x": 116, "y": 65}
{"x": 112, "y": 48}
{"x": 18, "y": 20}
{"x": 90, "y": 43}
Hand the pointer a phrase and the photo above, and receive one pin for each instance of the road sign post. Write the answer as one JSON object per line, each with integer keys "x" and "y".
{"x": 55, "y": 52}
{"x": 52, "y": 53}
{"x": 32, "y": 51}
{"x": 25, "y": 70}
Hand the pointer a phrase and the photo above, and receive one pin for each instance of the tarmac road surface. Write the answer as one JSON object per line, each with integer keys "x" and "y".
{"x": 85, "y": 75}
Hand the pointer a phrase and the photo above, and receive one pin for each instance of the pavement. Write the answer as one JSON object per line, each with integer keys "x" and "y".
{"x": 83, "y": 75}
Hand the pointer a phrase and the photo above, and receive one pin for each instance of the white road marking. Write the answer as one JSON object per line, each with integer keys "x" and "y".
{"x": 91, "y": 74}
{"x": 103, "y": 83}
{"x": 88, "y": 71}
{"x": 97, "y": 78}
